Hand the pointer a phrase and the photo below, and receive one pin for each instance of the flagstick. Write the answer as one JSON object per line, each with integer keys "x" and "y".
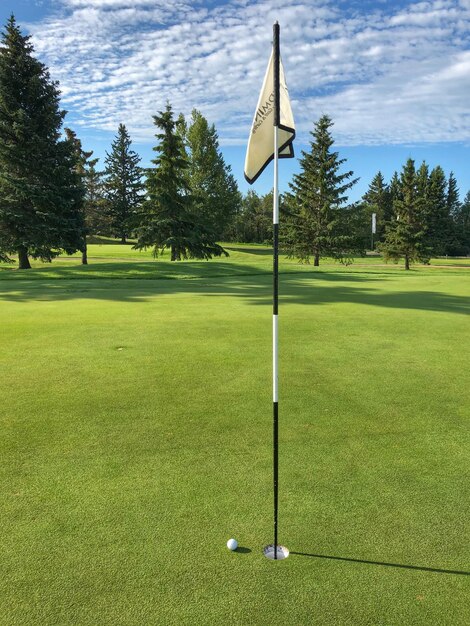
{"x": 275, "y": 278}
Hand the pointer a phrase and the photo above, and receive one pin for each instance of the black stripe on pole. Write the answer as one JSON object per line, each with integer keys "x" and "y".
{"x": 275, "y": 471}
{"x": 277, "y": 121}
{"x": 275, "y": 268}
{"x": 277, "y": 108}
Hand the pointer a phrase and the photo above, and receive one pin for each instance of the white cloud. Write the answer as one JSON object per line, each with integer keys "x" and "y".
{"x": 387, "y": 76}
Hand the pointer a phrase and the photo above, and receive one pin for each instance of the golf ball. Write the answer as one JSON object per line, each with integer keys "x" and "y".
{"x": 232, "y": 544}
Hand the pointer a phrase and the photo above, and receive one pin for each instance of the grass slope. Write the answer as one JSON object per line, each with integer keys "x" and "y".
{"x": 136, "y": 439}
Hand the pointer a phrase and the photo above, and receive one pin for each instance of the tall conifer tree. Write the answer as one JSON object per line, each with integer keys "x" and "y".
{"x": 82, "y": 159}
{"x": 439, "y": 223}
{"x": 97, "y": 219}
{"x": 377, "y": 199}
{"x": 212, "y": 185}
{"x": 40, "y": 189}
{"x": 123, "y": 184}
{"x": 461, "y": 221}
{"x": 406, "y": 234}
{"x": 318, "y": 224}
{"x": 167, "y": 218}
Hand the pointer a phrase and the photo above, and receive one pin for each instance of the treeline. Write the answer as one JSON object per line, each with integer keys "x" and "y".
{"x": 54, "y": 194}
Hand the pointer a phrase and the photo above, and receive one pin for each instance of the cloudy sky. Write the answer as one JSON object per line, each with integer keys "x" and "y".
{"x": 393, "y": 75}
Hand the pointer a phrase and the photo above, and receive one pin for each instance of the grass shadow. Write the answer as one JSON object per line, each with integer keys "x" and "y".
{"x": 141, "y": 281}
{"x": 436, "y": 570}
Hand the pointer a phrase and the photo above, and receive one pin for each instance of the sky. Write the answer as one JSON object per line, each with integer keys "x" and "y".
{"x": 393, "y": 75}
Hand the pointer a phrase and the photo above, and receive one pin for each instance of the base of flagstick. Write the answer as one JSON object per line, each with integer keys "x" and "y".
{"x": 282, "y": 552}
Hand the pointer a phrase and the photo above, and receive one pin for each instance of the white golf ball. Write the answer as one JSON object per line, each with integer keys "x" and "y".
{"x": 232, "y": 544}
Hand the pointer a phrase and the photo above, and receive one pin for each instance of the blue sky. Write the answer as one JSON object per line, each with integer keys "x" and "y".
{"x": 393, "y": 75}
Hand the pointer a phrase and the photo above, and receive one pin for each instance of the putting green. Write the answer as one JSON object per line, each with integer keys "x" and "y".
{"x": 135, "y": 441}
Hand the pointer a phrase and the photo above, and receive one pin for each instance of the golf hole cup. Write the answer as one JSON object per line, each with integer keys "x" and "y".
{"x": 232, "y": 544}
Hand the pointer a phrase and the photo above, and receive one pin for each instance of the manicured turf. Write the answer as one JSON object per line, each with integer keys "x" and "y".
{"x": 136, "y": 439}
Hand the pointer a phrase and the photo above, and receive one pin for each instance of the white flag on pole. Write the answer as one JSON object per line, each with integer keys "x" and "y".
{"x": 374, "y": 223}
{"x": 260, "y": 149}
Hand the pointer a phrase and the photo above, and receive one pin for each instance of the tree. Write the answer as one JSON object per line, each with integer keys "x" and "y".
{"x": 461, "y": 221}
{"x": 167, "y": 217}
{"x": 406, "y": 234}
{"x": 97, "y": 219}
{"x": 82, "y": 158}
{"x": 439, "y": 225}
{"x": 377, "y": 199}
{"x": 123, "y": 184}
{"x": 40, "y": 189}
{"x": 317, "y": 225}
{"x": 212, "y": 185}
{"x": 253, "y": 221}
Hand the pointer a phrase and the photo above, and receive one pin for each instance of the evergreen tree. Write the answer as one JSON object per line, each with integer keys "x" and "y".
{"x": 318, "y": 224}
{"x": 406, "y": 234}
{"x": 377, "y": 199}
{"x": 81, "y": 159}
{"x": 123, "y": 184}
{"x": 40, "y": 189}
{"x": 395, "y": 194}
{"x": 254, "y": 222}
{"x": 211, "y": 183}
{"x": 167, "y": 218}
{"x": 438, "y": 221}
{"x": 461, "y": 224}
{"x": 97, "y": 219}
{"x": 453, "y": 202}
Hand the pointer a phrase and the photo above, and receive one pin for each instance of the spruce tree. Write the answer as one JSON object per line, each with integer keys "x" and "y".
{"x": 452, "y": 195}
{"x": 461, "y": 222}
{"x": 82, "y": 159}
{"x": 406, "y": 234}
{"x": 97, "y": 219}
{"x": 167, "y": 218}
{"x": 40, "y": 189}
{"x": 395, "y": 194}
{"x": 211, "y": 183}
{"x": 439, "y": 233}
{"x": 123, "y": 184}
{"x": 318, "y": 224}
{"x": 377, "y": 199}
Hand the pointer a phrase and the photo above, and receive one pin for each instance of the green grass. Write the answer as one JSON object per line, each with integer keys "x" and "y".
{"x": 135, "y": 424}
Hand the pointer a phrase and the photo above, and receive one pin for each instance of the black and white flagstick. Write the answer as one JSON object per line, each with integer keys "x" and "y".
{"x": 276, "y": 280}
{"x": 275, "y": 551}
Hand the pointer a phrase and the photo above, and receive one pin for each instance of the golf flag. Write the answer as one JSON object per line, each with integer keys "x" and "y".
{"x": 260, "y": 149}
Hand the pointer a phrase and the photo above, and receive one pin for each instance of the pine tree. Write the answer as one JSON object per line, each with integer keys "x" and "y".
{"x": 438, "y": 221}
{"x": 82, "y": 158}
{"x": 453, "y": 201}
{"x": 167, "y": 218}
{"x": 40, "y": 190}
{"x": 123, "y": 184}
{"x": 211, "y": 183}
{"x": 461, "y": 222}
{"x": 395, "y": 194}
{"x": 406, "y": 234}
{"x": 253, "y": 223}
{"x": 377, "y": 199}
{"x": 97, "y": 219}
{"x": 318, "y": 223}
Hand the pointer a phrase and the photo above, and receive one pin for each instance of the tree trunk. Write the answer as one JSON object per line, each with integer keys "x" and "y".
{"x": 316, "y": 260}
{"x": 407, "y": 262}
{"x": 123, "y": 239}
{"x": 23, "y": 260}
{"x": 85, "y": 256}
{"x": 173, "y": 253}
